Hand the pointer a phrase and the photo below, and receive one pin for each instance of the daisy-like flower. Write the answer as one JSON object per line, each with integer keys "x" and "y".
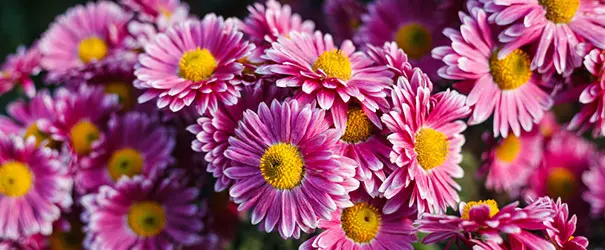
{"x": 330, "y": 75}
{"x": 554, "y": 27}
{"x": 34, "y": 187}
{"x": 595, "y": 195}
{"x": 591, "y": 114}
{"x": 285, "y": 168}
{"x": 416, "y": 32}
{"x": 505, "y": 87}
{"x": 82, "y": 38}
{"x": 427, "y": 139}
{"x": 141, "y": 213}
{"x": 482, "y": 224}
{"x": 266, "y": 23}
{"x": 18, "y": 69}
{"x": 213, "y": 130}
{"x": 343, "y": 17}
{"x": 566, "y": 157}
{"x": 134, "y": 144}
{"x": 33, "y": 118}
{"x": 193, "y": 63}
{"x": 81, "y": 116}
{"x": 563, "y": 237}
{"x": 365, "y": 226}
{"x": 393, "y": 57}
{"x": 511, "y": 160}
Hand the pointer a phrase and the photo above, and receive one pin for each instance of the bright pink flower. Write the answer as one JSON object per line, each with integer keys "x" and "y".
{"x": 33, "y": 118}
{"x": 564, "y": 228}
{"x": 592, "y": 113}
{"x": 18, "y": 69}
{"x": 393, "y": 57}
{"x": 595, "y": 195}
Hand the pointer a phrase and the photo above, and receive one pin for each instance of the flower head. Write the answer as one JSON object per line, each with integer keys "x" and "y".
{"x": 33, "y": 118}
{"x": 593, "y": 95}
{"x": 563, "y": 228}
{"x": 595, "y": 195}
{"x": 18, "y": 69}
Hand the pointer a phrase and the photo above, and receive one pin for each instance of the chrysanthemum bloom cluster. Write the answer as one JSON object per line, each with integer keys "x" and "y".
{"x": 167, "y": 130}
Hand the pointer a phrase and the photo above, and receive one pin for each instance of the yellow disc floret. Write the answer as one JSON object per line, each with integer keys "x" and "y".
{"x": 125, "y": 93}
{"x": 335, "y": 63}
{"x": 511, "y": 72}
{"x": 147, "y": 218}
{"x": 359, "y": 127}
{"x": 414, "y": 39}
{"x": 560, "y": 11}
{"x": 15, "y": 179}
{"x": 493, "y": 207}
{"x": 508, "y": 149}
{"x": 431, "y": 147}
{"x": 126, "y": 161}
{"x": 282, "y": 166}
{"x": 92, "y": 48}
{"x": 361, "y": 222}
{"x": 197, "y": 65}
{"x": 83, "y": 135}
{"x": 561, "y": 182}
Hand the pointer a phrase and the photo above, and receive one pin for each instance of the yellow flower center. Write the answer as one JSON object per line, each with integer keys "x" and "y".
{"x": 359, "y": 127}
{"x": 83, "y": 134}
{"x": 414, "y": 39}
{"x": 511, "y": 72}
{"x": 561, "y": 182}
{"x": 282, "y": 166}
{"x": 493, "y": 207}
{"x": 335, "y": 63}
{"x": 508, "y": 149}
{"x": 360, "y": 222}
{"x": 164, "y": 11}
{"x": 126, "y": 161}
{"x": 560, "y": 11}
{"x": 124, "y": 91}
{"x": 70, "y": 240}
{"x": 92, "y": 48}
{"x": 34, "y": 131}
{"x": 15, "y": 179}
{"x": 431, "y": 148}
{"x": 197, "y": 65}
{"x": 146, "y": 218}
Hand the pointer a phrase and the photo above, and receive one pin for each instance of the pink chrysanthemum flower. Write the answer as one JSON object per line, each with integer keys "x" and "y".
{"x": 593, "y": 96}
{"x": 18, "y": 69}
{"x": 554, "y": 27}
{"x": 393, "y": 57}
{"x": 482, "y": 224}
{"x": 82, "y": 38}
{"x": 343, "y": 17}
{"x": 142, "y": 213}
{"x": 427, "y": 139}
{"x": 416, "y": 32}
{"x": 332, "y": 76}
{"x": 563, "y": 235}
{"x": 285, "y": 168}
{"x": 365, "y": 227}
{"x": 266, "y": 23}
{"x": 193, "y": 63}
{"x": 595, "y": 195}
{"x": 33, "y": 118}
{"x": 566, "y": 157}
{"x": 134, "y": 144}
{"x": 81, "y": 116}
{"x": 511, "y": 160}
{"x": 34, "y": 188}
{"x": 213, "y": 130}
{"x": 505, "y": 87}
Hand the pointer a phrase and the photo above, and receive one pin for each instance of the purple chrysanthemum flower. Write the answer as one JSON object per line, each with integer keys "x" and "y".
{"x": 285, "y": 168}
{"x": 19, "y": 68}
{"x": 343, "y": 17}
{"x": 142, "y": 213}
{"x": 34, "y": 188}
{"x": 193, "y": 63}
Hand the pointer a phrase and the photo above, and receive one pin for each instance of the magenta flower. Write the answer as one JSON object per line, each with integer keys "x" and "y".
{"x": 163, "y": 13}
{"x": 34, "y": 118}
{"x": 427, "y": 139}
{"x": 416, "y": 32}
{"x": 142, "y": 213}
{"x": 343, "y": 17}
{"x": 193, "y": 63}
{"x": 134, "y": 144}
{"x": 365, "y": 226}
{"x": 18, "y": 69}
{"x": 213, "y": 130}
{"x": 34, "y": 188}
{"x": 595, "y": 195}
{"x": 505, "y": 87}
{"x": 83, "y": 37}
{"x": 393, "y": 57}
{"x": 592, "y": 114}
{"x": 511, "y": 161}
{"x": 481, "y": 224}
{"x": 332, "y": 76}
{"x": 553, "y": 27}
{"x": 563, "y": 235}
{"x": 285, "y": 168}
